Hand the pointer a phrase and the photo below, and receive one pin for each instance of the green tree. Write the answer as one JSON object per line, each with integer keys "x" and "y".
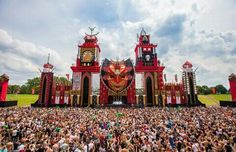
{"x": 199, "y": 90}
{"x": 206, "y": 90}
{"x": 12, "y": 89}
{"x": 220, "y": 89}
{"x": 33, "y": 83}
{"x": 61, "y": 80}
{"x": 24, "y": 89}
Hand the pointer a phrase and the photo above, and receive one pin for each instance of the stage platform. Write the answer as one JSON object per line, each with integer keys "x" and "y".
{"x": 228, "y": 103}
{"x": 49, "y": 106}
{"x": 141, "y": 106}
{"x": 118, "y": 106}
{"x": 185, "y": 105}
{"x": 8, "y": 103}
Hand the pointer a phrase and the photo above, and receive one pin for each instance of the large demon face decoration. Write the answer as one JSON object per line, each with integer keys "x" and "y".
{"x": 117, "y": 75}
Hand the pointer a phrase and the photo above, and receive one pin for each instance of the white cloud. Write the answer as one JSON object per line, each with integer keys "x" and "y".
{"x": 21, "y": 59}
{"x": 208, "y": 51}
{"x": 5, "y": 39}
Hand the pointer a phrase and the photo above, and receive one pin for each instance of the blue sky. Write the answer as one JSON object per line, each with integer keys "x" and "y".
{"x": 203, "y": 32}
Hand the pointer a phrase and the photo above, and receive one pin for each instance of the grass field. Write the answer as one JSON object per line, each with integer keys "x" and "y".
{"x": 213, "y": 99}
{"x": 23, "y": 99}
{"x": 27, "y": 99}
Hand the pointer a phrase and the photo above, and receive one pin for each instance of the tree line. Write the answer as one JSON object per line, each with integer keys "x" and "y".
{"x": 33, "y": 84}
{"x": 218, "y": 89}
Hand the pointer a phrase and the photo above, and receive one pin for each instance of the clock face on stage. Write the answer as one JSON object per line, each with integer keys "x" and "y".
{"x": 147, "y": 57}
{"x": 87, "y": 55}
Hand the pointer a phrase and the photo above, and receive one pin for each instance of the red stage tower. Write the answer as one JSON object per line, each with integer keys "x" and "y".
{"x": 232, "y": 84}
{"x": 46, "y": 83}
{"x": 148, "y": 64}
{"x": 3, "y": 92}
{"x": 3, "y": 87}
{"x": 87, "y": 62}
{"x": 189, "y": 82}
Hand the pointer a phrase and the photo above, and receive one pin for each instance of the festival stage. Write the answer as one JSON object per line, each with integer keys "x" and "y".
{"x": 117, "y": 82}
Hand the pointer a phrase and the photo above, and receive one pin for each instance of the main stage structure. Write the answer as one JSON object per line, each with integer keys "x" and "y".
{"x": 117, "y": 79}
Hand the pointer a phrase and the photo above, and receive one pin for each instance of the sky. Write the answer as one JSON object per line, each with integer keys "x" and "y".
{"x": 202, "y": 32}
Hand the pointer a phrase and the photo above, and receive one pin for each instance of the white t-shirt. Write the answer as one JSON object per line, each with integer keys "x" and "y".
{"x": 195, "y": 147}
{"x": 21, "y": 147}
{"x": 91, "y": 146}
{"x": 77, "y": 150}
{"x": 86, "y": 148}
{"x": 64, "y": 146}
{"x": 2, "y": 123}
{"x": 14, "y": 133}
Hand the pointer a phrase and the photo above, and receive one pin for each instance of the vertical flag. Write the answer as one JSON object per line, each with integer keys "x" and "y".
{"x": 165, "y": 77}
{"x": 213, "y": 90}
{"x": 68, "y": 77}
{"x": 32, "y": 91}
{"x": 176, "y": 79}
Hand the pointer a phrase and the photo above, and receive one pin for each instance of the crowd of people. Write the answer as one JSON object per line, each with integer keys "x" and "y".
{"x": 195, "y": 129}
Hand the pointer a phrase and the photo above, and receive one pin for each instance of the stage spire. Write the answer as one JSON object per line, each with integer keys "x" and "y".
{"x": 48, "y": 57}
